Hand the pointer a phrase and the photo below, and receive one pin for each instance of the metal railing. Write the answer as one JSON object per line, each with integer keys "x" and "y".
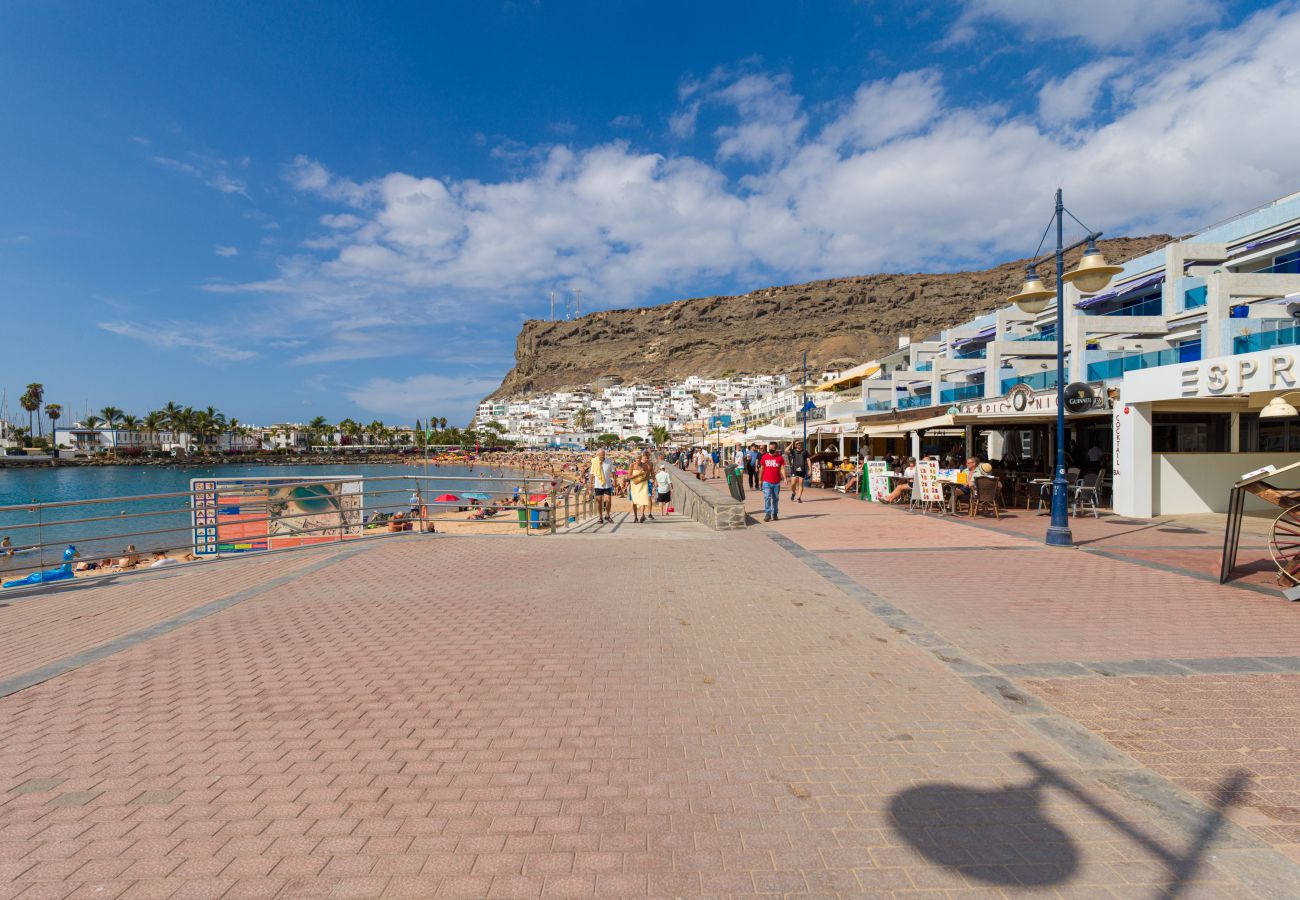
{"x": 248, "y": 517}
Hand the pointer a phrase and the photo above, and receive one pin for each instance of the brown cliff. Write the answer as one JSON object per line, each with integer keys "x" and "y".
{"x": 766, "y": 331}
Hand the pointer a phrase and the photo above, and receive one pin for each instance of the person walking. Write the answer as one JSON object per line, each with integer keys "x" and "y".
{"x": 798, "y": 470}
{"x": 772, "y": 466}
{"x": 663, "y": 489}
{"x": 602, "y": 486}
{"x": 751, "y": 466}
{"x": 639, "y": 476}
{"x": 701, "y": 464}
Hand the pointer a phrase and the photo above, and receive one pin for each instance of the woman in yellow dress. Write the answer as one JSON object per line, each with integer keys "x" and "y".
{"x": 639, "y": 476}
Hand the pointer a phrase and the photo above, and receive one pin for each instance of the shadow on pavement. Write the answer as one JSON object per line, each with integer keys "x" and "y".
{"x": 1004, "y": 836}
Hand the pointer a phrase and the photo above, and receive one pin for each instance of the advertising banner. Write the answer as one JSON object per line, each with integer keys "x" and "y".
{"x": 244, "y": 515}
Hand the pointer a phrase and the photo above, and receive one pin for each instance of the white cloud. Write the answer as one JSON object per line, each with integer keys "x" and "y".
{"x": 898, "y": 176}
{"x": 215, "y": 173}
{"x": 1074, "y": 97}
{"x": 1102, "y": 23}
{"x": 428, "y": 393}
{"x": 206, "y": 344}
{"x": 222, "y": 250}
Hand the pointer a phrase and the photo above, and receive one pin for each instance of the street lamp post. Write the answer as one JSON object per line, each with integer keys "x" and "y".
{"x": 1091, "y": 275}
{"x": 803, "y": 402}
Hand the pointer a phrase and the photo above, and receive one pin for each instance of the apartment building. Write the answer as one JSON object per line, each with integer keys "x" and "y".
{"x": 1179, "y": 353}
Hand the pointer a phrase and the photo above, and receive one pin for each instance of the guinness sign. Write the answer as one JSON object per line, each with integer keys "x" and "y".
{"x": 1079, "y": 397}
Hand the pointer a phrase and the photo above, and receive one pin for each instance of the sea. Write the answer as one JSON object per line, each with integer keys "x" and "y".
{"x": 169, "y": 523}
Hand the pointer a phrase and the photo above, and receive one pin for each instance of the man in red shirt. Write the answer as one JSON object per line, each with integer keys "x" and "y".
{"x": 771, "y": 466}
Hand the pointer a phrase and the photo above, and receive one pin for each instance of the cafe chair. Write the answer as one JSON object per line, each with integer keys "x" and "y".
{"x": 985, "y": 496}
{"x": 1088, "y": 491}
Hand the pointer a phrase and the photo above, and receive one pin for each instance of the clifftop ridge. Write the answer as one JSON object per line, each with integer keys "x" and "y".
{"x": 766, "y": 330}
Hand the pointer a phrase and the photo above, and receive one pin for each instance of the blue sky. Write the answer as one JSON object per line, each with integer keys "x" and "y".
{"x": 348, "y": 209}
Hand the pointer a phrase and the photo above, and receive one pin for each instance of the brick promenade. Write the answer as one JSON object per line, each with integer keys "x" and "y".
{"x": 825, "y": 707}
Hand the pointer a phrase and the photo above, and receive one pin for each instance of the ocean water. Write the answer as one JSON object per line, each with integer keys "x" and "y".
{"x": 168, "y": 522}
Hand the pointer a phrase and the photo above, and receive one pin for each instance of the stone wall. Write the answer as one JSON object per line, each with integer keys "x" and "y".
{"x": 707, "y": 502}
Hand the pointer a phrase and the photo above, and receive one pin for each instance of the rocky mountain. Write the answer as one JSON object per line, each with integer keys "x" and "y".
{"x": 766, "y": 331}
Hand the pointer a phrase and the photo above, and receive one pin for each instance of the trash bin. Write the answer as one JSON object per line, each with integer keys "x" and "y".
{"x": 523, "y": 517}
{"x": 540, "y": 517}
{"x": 736, "y": 485}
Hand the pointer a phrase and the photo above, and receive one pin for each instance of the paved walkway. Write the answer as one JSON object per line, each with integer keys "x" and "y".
{"x": 824, "y": 707}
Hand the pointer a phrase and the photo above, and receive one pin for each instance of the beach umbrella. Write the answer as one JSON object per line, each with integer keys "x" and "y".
{"x": 475, "y": 495}
{"x": 446, "y": 498}
{"x": 537, "y": 498}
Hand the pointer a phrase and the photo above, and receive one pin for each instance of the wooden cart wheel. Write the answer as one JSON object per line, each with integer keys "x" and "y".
{"x": 1284, "y": 545}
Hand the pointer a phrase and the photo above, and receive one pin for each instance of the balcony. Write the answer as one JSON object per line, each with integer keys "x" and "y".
{"x": 981, "y": 353}
{"x": 1039, "y": 382}
{"x": 876, "y": 405}
{"x": 1194, "y": 292}
{"x": 1047, "y": 334}
{"x": 924, "y": 367}
{"x": 965, "y": 392}
{"x": 1115, "y": 368}
{"x": 1279, "y": 336}
{"x": 914, "y": 402}
{"x": 1144, "y": 306}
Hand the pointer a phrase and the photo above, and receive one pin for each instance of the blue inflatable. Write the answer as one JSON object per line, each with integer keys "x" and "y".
{"x": 62, "y": 573}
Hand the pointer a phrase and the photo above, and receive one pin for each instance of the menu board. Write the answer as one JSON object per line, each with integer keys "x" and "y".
{"x": 927, "y": 477}
{"x": 877, "y": 480}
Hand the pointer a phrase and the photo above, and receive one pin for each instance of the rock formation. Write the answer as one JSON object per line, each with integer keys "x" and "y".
{"x": 850, "y": 319}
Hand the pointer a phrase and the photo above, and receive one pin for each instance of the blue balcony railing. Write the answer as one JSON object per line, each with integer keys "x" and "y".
{"x": 923, "y": 367}
{"x": 1047, "y": 334}
{"x": 1039, "y": 382}
{"x": 913, "y": 402}
{"x": 1115, "y": 368}
{"x": 965, "y": 392}
{"x": 1193, "y": 298}
{"x": 1147, "y": 306}
{"x": 1285, "y": 336}
{"x": 875, "y": 405}
{"x": 981, "y": 353}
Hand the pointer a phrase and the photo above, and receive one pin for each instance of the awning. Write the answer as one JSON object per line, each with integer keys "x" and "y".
{"x": 899, "y": 429}
{"x": 982, "y": 335}
{"x": 1273, "y": 239}
{"x": 1121, "y": 291}
{"x": 772, "y": 433}
{"x": 854, "y": 375}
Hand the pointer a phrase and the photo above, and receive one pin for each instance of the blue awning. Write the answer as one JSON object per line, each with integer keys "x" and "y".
{"x": 981, "y": 335}
{"x": 1273, "y": 239}
{"x": 1122, "y": 291}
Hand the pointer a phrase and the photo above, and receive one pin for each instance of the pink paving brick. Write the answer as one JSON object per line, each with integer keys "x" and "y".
{"x": 477, "y": 717}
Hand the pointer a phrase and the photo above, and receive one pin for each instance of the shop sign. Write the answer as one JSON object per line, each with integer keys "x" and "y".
{"x": 1223, "y": 376}
{"x": 1079, "y": 397}
{"x": 812, "y": 415}
{"x": 1022, "y": 400}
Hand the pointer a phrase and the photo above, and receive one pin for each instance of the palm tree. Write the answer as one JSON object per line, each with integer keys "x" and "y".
{"x": 112, "y": 415}
{"x": 153, "y": 423}
{"x": 52, "y": 412}
{"x": 318, "y": 428}
{"x": 659, "y": 434}
{"x": 442, "y": 423}
{"x": 582, "y": 419}
{"x": 92, "y": 422}
{"x": 31, "y": 401}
